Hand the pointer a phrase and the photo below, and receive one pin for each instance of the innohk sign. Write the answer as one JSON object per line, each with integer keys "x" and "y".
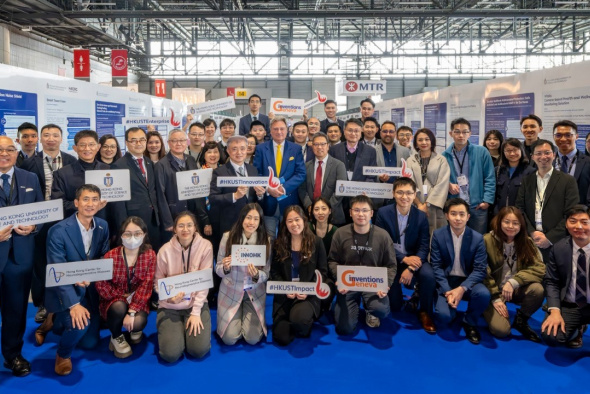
{"x": 358, "y": 87}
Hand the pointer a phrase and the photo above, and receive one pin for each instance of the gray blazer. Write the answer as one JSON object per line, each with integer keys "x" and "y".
{"x": 437, "y": 179}
{"x": 401, "y": 152}
{"x": 335, "y": 170}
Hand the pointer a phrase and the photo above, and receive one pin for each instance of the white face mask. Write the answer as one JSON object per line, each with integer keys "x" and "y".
{"x": 132, "y": 243}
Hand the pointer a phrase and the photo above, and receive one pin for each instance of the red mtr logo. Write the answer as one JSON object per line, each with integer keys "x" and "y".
{"x": 351, "y": 86}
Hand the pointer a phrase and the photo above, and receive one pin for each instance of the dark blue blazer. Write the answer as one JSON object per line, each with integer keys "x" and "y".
{"x": 64, "y": 244}
{"x": 26, "y": 191}
{"x": 474, "y": 258}
{"x": 325, "y": 123}
{"x": 292, "y": 173}
{"x": 67, "y": 180}
{"x": 558, "y": 272}
{"x": 582, "y": 176}
{"x": 417, "y": 236}
{"x": 245, "y": 122}
{"x": 34, "y": 164}
{"x": 507, "y": 187}
{"x": 366, "y": 156}
{"x": 309, "y": 155}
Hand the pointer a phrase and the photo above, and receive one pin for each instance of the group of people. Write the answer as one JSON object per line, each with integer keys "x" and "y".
{"x": 460, "y": 228}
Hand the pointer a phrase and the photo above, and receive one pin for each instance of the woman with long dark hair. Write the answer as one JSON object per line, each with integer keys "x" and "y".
{"x": 297, "y": 254}
{"x": 124, "y": 300}
{"x": 493, "y": 141}
{"x": 242, "y": 293}
{"x": 515, "y": 273}
{"x": 211, "y": 154}
{"x": 154, "y": 148}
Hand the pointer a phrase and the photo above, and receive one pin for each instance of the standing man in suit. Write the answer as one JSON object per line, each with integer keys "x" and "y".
{"x": 544, "y": 197}
{"x": 459, "y": 261}
{"x": 322, "y": 174}
{"x": 301, "y": 138}
{"x": 566, "y": 282}
{"x": 389, "y": 154}
{"x": 254, "y": 102}
{"x": 530, "y": 127}
{"x": 169, "y": 206}
{"x": 73, "y": 309}
{"x": 144, "y": 200}
{"x": 44, "y": 164}
{"x": 286, "y": 161}
{"x": 408, "y": 228}
{"x": 17, "y": 244}
{"x": 570, "y": 160}
{"x": 355, "y": 156}
{"x": 472, "y": 174}
{"x": 69, "y": 178}
{"x": 330, "y": 110}
{"x": 227, "y": 128}
{"x": 27, "y": 136}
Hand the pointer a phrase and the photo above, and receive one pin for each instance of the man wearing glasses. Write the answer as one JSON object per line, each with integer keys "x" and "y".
{"x": 472, "y": 174}
{"x": 361, "y": 244}
{"x": 144, "y": 200}
{"x": 569, "y": 159}
{"x": 409, "y": 230}
{"x": 322, "y": 174}
{"x": 69, "y": 178}
{"x": 544, "y": 197}
{"x": 389, "y": 154}
{"x": 196, "y": 136}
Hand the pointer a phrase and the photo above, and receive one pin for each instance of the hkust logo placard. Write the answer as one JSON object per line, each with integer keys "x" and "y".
{"x": 317, "y": 288}
{"x": 114, "y": 185}
{"x": 193, "y": 183}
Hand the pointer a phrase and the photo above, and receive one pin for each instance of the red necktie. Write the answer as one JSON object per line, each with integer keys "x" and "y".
{"x": 317, "y": 188}
{"x": 140, "y": 162}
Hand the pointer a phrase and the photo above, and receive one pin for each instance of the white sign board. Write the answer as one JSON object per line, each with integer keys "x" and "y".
{"x": 287, "y": 107}
{"x": 370, "y": 189}
{"x": 62, "y": 274}
{"x": 114, "y": 185}
{"x": 361, "y": 278}
{"x": 185, "y": 283}
{"x": 317, "y": 288}
{"x": 242, "y": 255}
{"x": 32, "y": 214}
{"x": 193, "y": 183}
{"x": 211, "y": 106}
{"x": 358, "y": 87}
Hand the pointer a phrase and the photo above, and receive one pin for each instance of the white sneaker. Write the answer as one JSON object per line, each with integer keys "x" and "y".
{"x": 135, "y": 337}
{"x": 372, "y": 321}
{"x": 120, "y": 347}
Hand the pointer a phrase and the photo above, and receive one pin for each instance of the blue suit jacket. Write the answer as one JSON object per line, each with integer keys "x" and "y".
{"x": 28, "y": 191}
{"x": 474, "y": 259}
{"x": 292, "y": 173}
{"x": 245, "y": 122}
{"x": 417, "y": 236}
{"x": 64, "y": 244}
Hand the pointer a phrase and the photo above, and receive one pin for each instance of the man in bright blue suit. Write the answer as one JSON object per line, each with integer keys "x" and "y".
{"x": 17, "y": 244}
{"x": 73, "y": 309}
{"x": 459, "y": 260}
{"x": 286, "y": 161}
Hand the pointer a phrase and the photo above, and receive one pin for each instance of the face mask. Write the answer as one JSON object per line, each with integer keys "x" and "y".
{"x": 132, "y": 243}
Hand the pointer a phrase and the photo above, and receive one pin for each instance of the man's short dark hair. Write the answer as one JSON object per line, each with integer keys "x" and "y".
{"x": 576, "y": 209}
{"x": 330, "y": 125}
{"x": 361, "y": 199}
{"x": 85, "y": 133}
{"x": 356, "y": 121}
{"x": 26, "y": 126}
{"x": 454, "y": 202}
{"x": 532, "y": 117}
{"x": 543, "y": 142}
{"x": 459, "y": 121}
{"x": 368, "y": 100}
{"x": 389, "y": 122}
{"x": 319, "y": 134}
{"x": 329, "y": 102}
{"x": 209, "y": 121}
{"x": 566, "y": 123}
{"x": 254, "y": 96}
{"x": 133, "y": 130}
{"x": 404, "y": 181}
{"x": 256, "y": 123}
{"x": 301, "y": 123}
{"x": 89, "y": 188}
{"x": 371, "y": 119}
{"x": 52, "y": 126}
{"x": 227, "y": 122}
{"x": 196, "y": 124}
{"x": 405, "y": 128}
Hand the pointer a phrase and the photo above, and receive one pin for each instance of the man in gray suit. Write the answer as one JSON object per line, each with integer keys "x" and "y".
{"x": 322, "y": 174}
{"x": 390, "y": 154}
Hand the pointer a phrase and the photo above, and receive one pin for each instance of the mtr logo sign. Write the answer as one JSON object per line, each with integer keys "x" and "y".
{"x": 362, "y": 87}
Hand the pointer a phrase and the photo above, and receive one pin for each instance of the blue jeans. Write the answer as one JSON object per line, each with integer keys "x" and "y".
{"x": 478, "y": 297}
{"x": 478, "y": 220}
{"x": 86, "y": 338}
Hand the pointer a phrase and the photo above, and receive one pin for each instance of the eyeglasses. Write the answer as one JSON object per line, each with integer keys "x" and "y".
{"x": 400, "y": 193}
{"x": 84, "y": 146}
{"x": 181, "y": 141}
{"x": 113, "y": 147}
{"x": 461, "y": 132}
{"x": 507, "y": 222}
{"x": 357, "y": 211}
{"x": 188, "y": 226}
{"x": 137, "y": 141}
{"x": 387, "y": 131}
{"x": 356, "y": 131}
{"x": 563, "y": 135}
{"x": 320, "y": 144}
{"x": 237, "y": 149}
{"x": 251, "y": 143}
{"x": 511, "y": 151}
{"x": 545, "y": 153}
{"x": 128, "y": 234}
{"x": 8, "y": 150}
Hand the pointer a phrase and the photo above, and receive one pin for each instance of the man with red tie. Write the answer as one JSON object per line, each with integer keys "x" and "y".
{"x": 322, "y": 174}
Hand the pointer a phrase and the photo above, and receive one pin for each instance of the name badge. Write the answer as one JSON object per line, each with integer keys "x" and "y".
{"x": 349, "y": 174}
{"x": 538, "y": 220}
{"x": 248, "y": 285}
{"x": 425, "y": 190}
{"x": 463, "y": 187}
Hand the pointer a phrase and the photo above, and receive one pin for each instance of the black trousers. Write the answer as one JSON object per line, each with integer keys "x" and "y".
{"x": 574, "y": 317}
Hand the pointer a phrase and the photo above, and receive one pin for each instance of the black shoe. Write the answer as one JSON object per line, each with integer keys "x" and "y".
{"x": 578, "y": 341}
{"x": 521, "y": 324}
{"x": 471, "y": 333}
{"x": 19, "y": 366}
{"x": 41, "y": 314}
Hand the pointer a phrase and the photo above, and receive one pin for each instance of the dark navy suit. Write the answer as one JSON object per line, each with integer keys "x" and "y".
{"x": 474, "y": 261}
{"x": 16, "y": 267}
{"x": 417, "y": 243}
{"x": 245, "y": 121}
{"x": 65, "y": 244}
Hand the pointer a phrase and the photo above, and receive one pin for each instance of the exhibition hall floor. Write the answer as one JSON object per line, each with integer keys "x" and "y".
{"x": 397, "y": 357}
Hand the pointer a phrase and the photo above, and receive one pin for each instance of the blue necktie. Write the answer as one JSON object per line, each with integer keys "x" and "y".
{"x": 6, "y": 186}
{"x": 581, "y": 296}
{"x": 564, "y": 163}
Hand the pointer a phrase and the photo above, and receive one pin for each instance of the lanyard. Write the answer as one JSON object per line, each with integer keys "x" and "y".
{"x": 185, "y": 266}
{"x": 355, "y": 239}
{"x": 558, "y": 164}
{"x": 127, "y": 267}
{"x": 51, "y": 164}
{"x": 462, "y": 162}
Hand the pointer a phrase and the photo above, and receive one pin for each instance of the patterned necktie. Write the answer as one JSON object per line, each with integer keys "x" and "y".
{"x": 140, "y": 163}
{"x": 5, "y": 186}
{"x": 241, "y": 171}
{"x": 279, "y": 160}
{"x": 564, "y": 163}
{"x": 317, "y": 187}
{"x": 581, "y": 295}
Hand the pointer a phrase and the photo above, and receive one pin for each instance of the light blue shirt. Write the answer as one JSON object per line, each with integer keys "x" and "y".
{"x": 10, "y": 173}
{"x": 571, "y": 165}
{"x": 402, "y": 224}
{"x": 463, "y": 159}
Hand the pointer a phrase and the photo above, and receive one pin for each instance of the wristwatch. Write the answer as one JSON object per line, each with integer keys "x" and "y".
{"x": 132, "y": 314}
